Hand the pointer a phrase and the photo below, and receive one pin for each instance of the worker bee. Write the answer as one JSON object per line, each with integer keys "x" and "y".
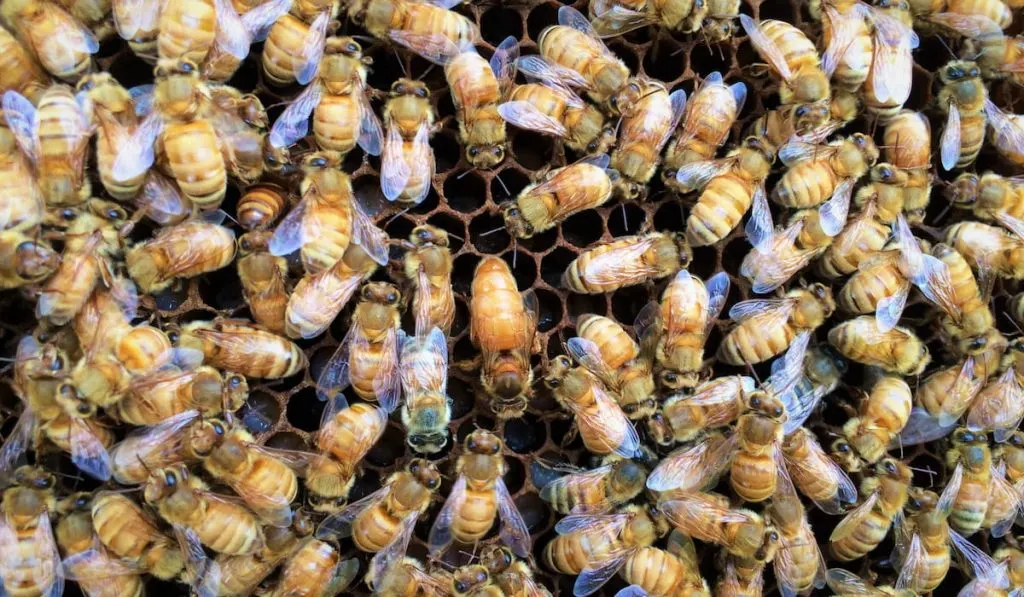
{"x": 971, "y": 459}
{"x": 990, "y": 577}
{"x": 407, "y": 162}
{"x": 714, "y": 19}
{"x": 316, "y": 568}
{"x": 167, "y": 392}
{"x": 184, "y": 500}
{"x": 798, "y": 562}
{"x": 888, "y": 84}
{"x": 513, "y": 576}
{"x": 502, "y": 327}
{"x": 23, "y": 203}
{"x": 882, "y": 415}
{"x": 708, "y": 517}
{"x": 338, "y": 102}
{"x": 766, "y": 327}
{"x": 608, "y": 352}
{"x": 109, "y": 106}
{"x": 962, "y": 99}
{"x": 32, "y": 563}
{"x": 887, "y": 194}
{"x": 76, "y": 432}
{"x": 478, "y": 495}
{"x": 796, "y": 121}
{"x": 558, "y": 194}
{"x": 25, "y": 261}
{"x": 396, "y": 19}
{"x": 996, "y": 12}
{"x": 97, "y": 571}
{"x": 1006, "y": 133}
{"x": 813, "y": 472}
{"x": 627, "y": 261}
{"x": 137, "y": 26}
{"x": 406, "y": 576}
{"x": 848, "y": 584}
{"x": 908, "y": 141}
{"x": 989, "y": 197}
{"x": 944, "y": 396}
{"x": 989, "y": 248}
{"x": 234, "y": 34}
{"x": 423, "y": 364}
{"x": 740, "y": 578}
{"x": 997, "y": 407}
{"x": 55, "y": 139}
{"x": 923, "y": 540}
{"x": 130, "y": 533}
{"x": 428, "y": 267}
{"x": 866, "y": 526}
{"x": 184, "y": 250}
{"x": 863, "y": 237}
{"x": 793, "y": 57}
{"x": 573, "y": 52}
{"x": 264, "y": 280}
{"x": 600, "y": 421}
{"x": 183, "y": 438}
{"x": 846, "y": 36}
{"x": 238, "y": 345}
{"x": 20, "y": 72}
{"x": 261, "y": 205}
{"x": 714, "y": 403}
{"x": 643, "y": 132}
{"x": 897, "y": 350}
{"x": 595, "y": 491}
{"x": 62, "y": 45}
{"x": 730, "y": 186}
{"x": 815, "y": 172}
{"x": 295, "y": 43}
{"x": 558, "y": 112}
{"x": 368, "y": 356}
{"x": 39, "y": 369}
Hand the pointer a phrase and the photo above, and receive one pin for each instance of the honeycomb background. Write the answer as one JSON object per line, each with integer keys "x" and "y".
{"x": 464, "y": 202}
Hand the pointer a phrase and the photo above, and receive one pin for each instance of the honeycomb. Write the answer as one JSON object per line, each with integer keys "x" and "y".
{"x": 465, "y": 202}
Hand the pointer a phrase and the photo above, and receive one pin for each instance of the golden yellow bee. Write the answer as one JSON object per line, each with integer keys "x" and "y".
{"x": 846, "y": 35}
{"x": 315, "y": 569}
{"x": 223, "y": 525}
{"x": 513, "y": 576}
{"x": 111, "y": 108}
{"x": 923, "y": 542}
{"x": 76, "y": 432}
{"x": 730, "y": 186}
{"x": 866, "y": 526}
{"x": 740, "y": 578}
{"x": 296, "y": 42}
{"x": 560, "y": 113}
{"x": 595, "y": 491}
{"x": 798, "y": 563}
{"x": 237, "y": 575}
{"x": 971, "y": 460}
{"x": 997, "y": 407}
{"x": 712, "y": 19}
{"x": 18, "y": 70}
{"x": 1006, "y": 133}
{"x": 502, "y": 326}
{"x": 97, "y": 571}
{"x": 25, "y": 261}
{"x": 558, "y": 194}
{"x": 708, "y": 517}
{"x": 153, "y": 398}
{"x": 817, "y": 172}
{"x": 714, "y": 403}
{"x": 237, "y": 345}
{"x": 407, "y": 162}
{"x": 847, "y": 584}
{"x": 990, "y": 197}
{"x": 585, "y": 61}
{"x": 884, "y": 412}
{"x": 61, "y": 44}
{"x": 55, "y": 139}
{"x": 996, "y": 12}
{"x": 888, "y": 84}
{"x": 23, "y": 203}
{"x": 131, "y": 533}
{"x": 264, "y": 280}
{"x": 261, "y": 205}
{"x": 608, "y": 352}
{"x": 988, "y": 249}
{"x": 478, "y": 496}
{"x": 793, "y": 57}
{"x": 423, "y": 366}
{"x": 887, "y": 195}
{"x": 183, "y": 438}
{"x": 962, "y": 98}
{"x": 185, "y": 250}
{"x": 907, "y": 143}
{"x": 672, "y": 571}
{"x": 602, "y": 424}
{"x": 943, "y": 397}
{"x": 31, "y": 565}
{"x": 338, "y": 103}
{"x": 394, "y": 19}
{"x": 428, "y": 268}
{"x": 815, "y": 474}
{"x": 627, "y": 261}
{"x": 766, "y": 327}
{"x": 897, "y": 350}
{"x": 187, "y": 29}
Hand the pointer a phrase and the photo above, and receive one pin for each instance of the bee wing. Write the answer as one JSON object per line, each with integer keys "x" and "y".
{"x": 16, "y": 443}
{"x": 766, "y": 48}
{"x": 1002, "y": 489}
{"x": 570, "y": 17}
{"x": 555, "y": 76}
{"x": 289, "y": 235}
{"x": 611, "y": 19}
{"x": 796, "y": 151}
{"x": 429, "y": 368}
{"x": 852, "y": 521}
{"x": 967, "y": 25}
{"x": 203, "y": 572}
{"x": 677, "y": 99}
{"x": 371, "y": 136}
{"x": 230, "y": 35}
{"x": 335, "y": 377}
{"x": 892, "y": 63}
{"x": 833, "y": 213}
{"x": 922, "y": 427}
{"x": 799, "y": 406}
{"x": 394, "y": 170}
{"x": 21, "y": 116}
{"x": 583, "y": 483}
{"x": 503, "y": 63}
{"x": 690, "y": 511}
{"x": 527, "y": 117}
{"x": 312, "y": 49}
{"x": 844, "y": 582}
{"x": 194, "y": 253}
{"x": 949, "y": 145}
{"x": 789, "y": 368}
{"x": 596, "y": 574}
{"x": 591, "y": 523}
{"x": 586, "y": 353}
{"x": 47, "y": 564}
{"x": 395, "y": 551}
{"x": 257, "y": 21}
{"x": 1011, "y": 223}
{"x": 1010, "y": 396}
{"x": 911, "y": 568}
{"x": 974, "y": 561}
{"x": 87, "y": 452}
{"x": 693, "y": 468}
{"x": 718, "y": 292}
{"x": 339, "y": 525}
{"x": 890, "y": 308}
{"x": 770, "y": 266}
{"x": 367, "y": 235}
{"x": 514, "y": 532}
{"x": 144, "y": 440}
{"x": 610, "y": 420}
{"x": 162, "y": 199}
{"x": 788, "y": 571}
{"x": 95, "y": 565}
{"x": 132, "y": 16}
{"x": 846, "y": 492}
{"x": 622, "y": 266}
{"x": 771, "y": 309}
{"x": 935, "y": 283}
{"x": 760, "y": 229}
{"x": 434, "y": 47}
{"x": 138, "y": 154}
{"x": 440, "y": 533}
{"x": 843, "y": 28}
{"x": 293, "y": 124}
{"x": 1006, "y": 132}
{"x": 697, "y": 175}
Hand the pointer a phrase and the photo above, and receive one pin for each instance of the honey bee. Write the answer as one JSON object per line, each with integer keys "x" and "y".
{"x": 740, "y": 579}
{"x": 110, "y": 106}
{"x": 395, "y": 19}
{"x": 988, "y": 248}
{"x": 996, "y": 407}
{"x": 833, "y": 168}
{"x": 815, "y": 474}
{"x": 989, "y": 197}
{"x": 382, "y": 522}
{"x": 295, "y": 42}
{"x": 765, "y": 328}
{"x": 185, "y": 501}
{"x": 406, "y": 577}
{"x": 130, "y": 533}
{"x": 962, "y": 98}
{"x": 972, "y": 331}
{"x": 513, "y": 576}
{"x": 1004, "y": 503}
{"x": 887, "y": 194}
{"x": 601, "y": 422}
{"x": 20, "y": 71}
{"x": 573, "y": 51}
{"x": 315, "y": 569}
{"x": 714, "y": 19}
{"x": 1009, "y": 455}
{"x": 32, "y": 563}
{"x": 423, "y": 364}
{"x": 1005, "y": 133}
{"x": 971, "y": 459}
{"x": 39, "y": 369}
{"x": 62, "y": 45}
{"x": 849, "y": 45}
{"x": 908, "y": 141}
{"x": 479, "y": 494}
{"x": 730, "y": 186}
{"x": 680, "y": 324}
{"x": 76, "y": 432}
{"x": 866, "y": 526}
{"x": 261, "y": 205}
{"x": 136, "y": 26}
{"x": 238, "y": 345}
{"x": 714, "y": 403}
{"x": 990, "y": 577}
{"x": 184, "y": 250}
{"x": 611, "y": 355}
{"x": 883, "y": 413}
{"x": 847, "y": 584}
{"x": 338, "y": 102}
{"x": 706, "y": 124}
{"x": 643, "y": 132}
{"x": 264, "y": 280}
{"x": 627, "y": 261}
{"x": 888, "y": 84}
{"x": 943, "y": 398}
{"x": 560, "y": 113}
{"x": 368, "y": 356}
{"x": 407, "y": 163}
{"x": 23, "y": 203}
{"x": 997, "y": 12}
{"x": 428, "y": 267}
{"x": 25, "y": 261}
{"x": 502, "y": 327}
{"x": 558, "y": 194}
{"x": 595, "y": 491}
{"x": 708, "y": 517}
{"x": 923, "y": 541}
{"x": 234, "y": 34}
{"x": 158, "y": 396}
{"x": 183, "y": 438}
{"x": 897, "y": 350}
{"x": 793, "y": 57}
{"x": 92, "y": 566}
{"x": 55, "y": 139}
{"x": 798, "y": 562}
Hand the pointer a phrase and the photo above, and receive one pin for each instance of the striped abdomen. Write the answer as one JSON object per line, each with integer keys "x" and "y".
{"x": 336, "y": 122}
{"x": 187, "y": 29}
{"x": 282, "y": 52}
{"x": 971, "y": 503}
{"x": 63, "y": 140}
{"x": 719, "y": 209}
{"x": 375, "y": 527}
{"x": 866, "y": 288}
{"x": 228, "y": 528}
{"x": 852, "y": 69}
{"x": 193, "y": 153}
{"x": 750, "y": 342}
{"x": 476, "y": 513}
{"x": 806, "y": 184}
{"x": 839, "y": 261}
{"x": 753, "y": 476}
{"x": 864, "y": 539}
{"x": 972, "y": 135}
{"x": 659, "y": 572}
{"x": 571, "y": 554}
{"x": 365, "y": 364}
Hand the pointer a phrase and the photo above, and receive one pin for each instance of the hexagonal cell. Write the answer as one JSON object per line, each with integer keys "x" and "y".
{"x": 705, "y": 60}
{"x": 550, "y": 313}
{"x": 524, "y": 268}
{"x": 221, "y": 289}
{"x": 626, "y": 219}
{"x": 304, "y": 410}
{"x": 461, "y": 394}
{"x": 465, "y": 191}
{"x": 581, "y": 304}
{"x": 627, "y": 303}
{"x": 507, "y": 184}
{"x": 389, "y": 449}
{"x": 498, "y": 23}
{"x": 515, "y": 475}
{"x": 554, "y": 264}
{"x": 583, "y": 229}
{"x": 447, "y": 152}
{"x": 260, "y": 413}
{"x": 525, "y": 434}
{"x": 542, "y": 16}
{"x": 429, "y": 203}
{"x": 487, "y": 233}
{"x": 287, "y": 441}
{"x": 462, "y": 272}
{"x": 399, "y": 227}
{"x": 531, "y": 150}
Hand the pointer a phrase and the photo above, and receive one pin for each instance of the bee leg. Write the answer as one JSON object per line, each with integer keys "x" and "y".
{"x": 469, "y": 365}
{"x": 571, "y": 435}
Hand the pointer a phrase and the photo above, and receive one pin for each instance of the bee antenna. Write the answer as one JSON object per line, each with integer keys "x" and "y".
{"x": 1013, "y": 322}
{"x": 489, "y": 232}
{"x": 144, "y": 465}
{"x": 401, "y": 63}
{"x": 753, "y": 373}
{"x": 394, "y": 217}
{"x": 945, "y": 210}
{"x": 944, "y": 45}
{"x": 460, "y": 176}
{"x": 515, "y": 251}
{"x": 497, "y": 177}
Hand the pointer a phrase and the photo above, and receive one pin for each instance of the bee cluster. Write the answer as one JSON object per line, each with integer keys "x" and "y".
{"x": 420, "y": 297}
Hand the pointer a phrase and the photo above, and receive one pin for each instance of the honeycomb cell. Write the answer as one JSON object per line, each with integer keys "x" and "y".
{"x": 734, "y": 252}
{"x": 487, "y": 233}
{"x": 531, "y": 150}
{"x": 550, "y": 313}
{"x": 462, "y": 272}
{"x": 554, "y": 264}
{"x": 170, "y": 299}
{"x": 304, "y": 410}
{"x": 524, "y": 268}
{"x": 580, "y": 304}
{"x": 429, "y": 203}
{"x": 399, "y": 227}
{"x": 705, "y": 60}
{"x": 130, "y": 70}
{"x": 524, "y": 435}
{"x": 626, "y": 219}
{"x": 515, "y": 475}
{"x": 446, "y": 151}
{"x": 662, "y": 63}
{"x": 583, "y": 229}
{"x": 260, "y": 413}
{"x": 498, "y": 23}
{"x": 389, "y": 449}
{"x": 466, "y": 191}
{"x": 287, "y": 440}
{"x": 627, "y": 303}
{"x": 704, "y": 263}
{"x": 540, "y": 17}
{"x": 461, "y": 394}
{"x": 222, "y": 289}
{"x": 508, "y": 184}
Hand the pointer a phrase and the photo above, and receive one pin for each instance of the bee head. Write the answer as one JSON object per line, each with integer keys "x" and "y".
{"x": 481, "y": 441}
{"x": 496, "y": 558}
{"x": 381, "y": 293}
{"x": 427, "y": 235}
{"x": 466, "y": 578}
{"x": 558, "y": 369}
{"x": 515, "y": 221}
{"x": 485, "y": 156}
{"x": 425, "y": 473}
{"x": 410, "y": 87}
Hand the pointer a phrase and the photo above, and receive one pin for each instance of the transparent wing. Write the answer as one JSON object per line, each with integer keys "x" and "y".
{"x": 760, "y": 228}
{"x": 591, "y": 523}
{"x": 854, "y": 519}
{"x": 312, "y": 49}
{"x": 833, "y": 213}
{"x": 586, "y": 353}
{"x": 892, "y": 64}
{"x": 133, "y": 16}
{"x": 611, "y": 421}
{"x": 697, "y": 175}
{"x": 949, "y": 146}
{"x": 527, "y": 117}
{"x": 143, "y": 441}
{"x": 162, "y": 199}
{"x": 844, "y": 582}
{"x": 1004, "y": 493}
{"x": 434, "y": 47}
{"x": 514, "y": 532}
{"x": 258, "y": 20}
{"x": 923, "y": 427}
{"x": 766, "y": 47}
{"x": 967, "y": 25}
{"x": 394, "y": 171}
{"x": 421, "y": 159}
{"x": 570, "y": 17}
{"x": 335, "y": 377}
{"x": 87, "y": 452}
{"x": 367, "y": 235}
{"x": 1005, "y": 131}
{"x": 231, "y": 35}
{"x": 846, "y": 492}
{"x": 623, "y": 265}
{"x": 977, "y": 562}
{"x": 598, "y": 573}
{"x": 912, "y": 568}
{"x": 796, "y": 151}
{"x": 371, "y": 135}
{"x": 554, "y": 76}
{"x": 289, "y": 237}
{"x": 718, "y": 292}
{"x": 693, "y": 468}
{"x": 503, "y": 63}
{"x": 138, "y": 154}
{"x": 339, "y": 525}
{"x": 395, "y": 551}
{"x": 890, "y": 308}
{"x": 843, "y": 28}
{"x": 441, "y": 533}
{"x": 583, "y": 483}
{"x": 20, "y": 115}
{"x": 611, "y": 19}
{"x": 773, "y": 308}
{"x": 789, "y": 368}
{"x": 293, "y": 124}
{"x": 16, "y": 444}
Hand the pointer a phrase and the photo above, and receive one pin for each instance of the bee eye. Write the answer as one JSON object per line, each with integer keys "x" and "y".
{"x": 43, "y": 482}
{"x": 471, "y": 444}
{"x": 495, "y": 448}
{"x": 498, "y": 152}
{"x": 843, "y": 448}
{"x": 974, "y": 72}
{"x": 352, "y": 47}
{"x": 773, "y": 537}
{"x": 218, "y": 429}
{"x": 461, "y": 587}
{"x": 592, "y": 146}
{"x": 392, "y": 297}
{"x": 421, "y": 92}
{"x": 186, "y": 67}
{"x": 170, "y": 479}
{"x": 890, "y": 467}
{"x": 473, "y": 152}
{"x": 554, "y": 383}
{"x": 318, "y": 162}
{"x": 433, "y": 483}
{"x": 245, "y": 245}
{"x": 414, "y": 440}
{"x": 81, "y": 502}
{"x": 777, "y": 411}
{"x": 755, "y": 401}
{"x": 801, "y": 111}
{"x": 271, "y": 160}
{"x": 83, "y": 408}
{"x": 68, "y": 214}
{"x": 235, "y": 381}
